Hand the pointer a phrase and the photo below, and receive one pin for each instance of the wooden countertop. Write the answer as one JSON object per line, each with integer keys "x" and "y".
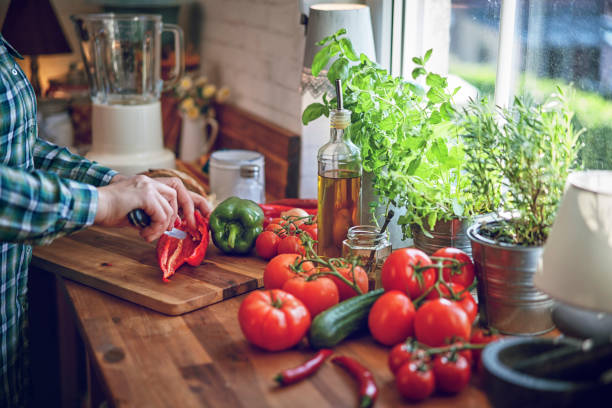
{"x": 146, "y": 359}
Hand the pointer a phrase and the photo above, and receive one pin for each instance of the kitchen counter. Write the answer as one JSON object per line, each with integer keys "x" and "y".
{"x": 141, "y": 358}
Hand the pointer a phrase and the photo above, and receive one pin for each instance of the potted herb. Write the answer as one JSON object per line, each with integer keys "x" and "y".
{"x": 413, "y": 158}
{"x": 520, "y": 158}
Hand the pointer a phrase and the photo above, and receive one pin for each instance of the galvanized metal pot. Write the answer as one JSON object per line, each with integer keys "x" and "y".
{"x": 451, "y": 233}
{"x": 508, "y": 300}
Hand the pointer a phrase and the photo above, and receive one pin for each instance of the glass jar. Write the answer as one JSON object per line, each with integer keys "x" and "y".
{"x": 372, "y": 247}
{"x": 248, "y": 186}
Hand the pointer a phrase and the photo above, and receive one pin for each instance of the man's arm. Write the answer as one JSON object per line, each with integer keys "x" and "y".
{"x": 37, "y": 207}
{"x": 59, "y": 160}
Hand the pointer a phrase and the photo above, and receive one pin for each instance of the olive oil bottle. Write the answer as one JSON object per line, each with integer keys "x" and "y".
{"x": 339, "y": 183}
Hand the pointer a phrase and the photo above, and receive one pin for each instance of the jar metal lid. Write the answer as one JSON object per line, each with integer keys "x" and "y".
{"x": 249, "y": 171}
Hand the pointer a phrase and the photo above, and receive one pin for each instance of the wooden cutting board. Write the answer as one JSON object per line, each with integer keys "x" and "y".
{"x": 119, "y": 262}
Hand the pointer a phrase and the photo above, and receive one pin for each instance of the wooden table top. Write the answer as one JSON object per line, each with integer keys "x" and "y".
{"x": 147, "y": 359}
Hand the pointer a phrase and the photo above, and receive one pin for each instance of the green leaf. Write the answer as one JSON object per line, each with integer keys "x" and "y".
{"x": 435, "y": 96}
{"x": 314, "y": 111}
{"x": 414, "y": 165}
{"x": 347, "y": 47}
{"x": 427, "y": 55}
{"x": 338, "y": 70}
{"x": 417, "y": 61}
{"x": 320, "y": 60}
{"x": 458, "y": 209}
{"x": 435, "y": 117}
{"x": 435, "y": 80}
{"x": 417, "y": 72}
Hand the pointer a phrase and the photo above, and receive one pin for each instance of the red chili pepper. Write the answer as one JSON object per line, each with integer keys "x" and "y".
{"x": 273, "y": 210}
{"x": 297, "y": 203}
{"x": 173, "y": 252}
{"x": 367, "y": 386}
{"x": 293, "y": 375}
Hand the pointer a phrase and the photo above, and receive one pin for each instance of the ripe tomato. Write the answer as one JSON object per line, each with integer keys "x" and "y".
{"x": 452, "y": 372}
{"x": 398, "y": 272}
{"x": 465, "y": 276}
{"x": 273, "y": 319}
{"x": 440, "y": 320}
{"x": 391, "y": 318}
{"x": 403, "y": 352}
{"x": 415, "y": 380}
{"x": 310, "y": 229}
{"x": 278, "y": 270}
{"x": 360, "y": 276}
{"x": 467, "y": 353}
{"x": 266, "y": 244}
{"x": 291, "y": 244}
{"x": 467, "y": 301}
{"x": 277, "y": 229}
{"x": 482, "y": 336}
{"x": 318, "y": 294}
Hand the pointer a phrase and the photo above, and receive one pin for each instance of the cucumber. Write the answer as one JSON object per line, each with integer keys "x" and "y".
{"x": 338, "y": 322}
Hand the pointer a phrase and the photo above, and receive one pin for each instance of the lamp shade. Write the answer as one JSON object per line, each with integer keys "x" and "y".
{"x": 31, "y": 26}
{"x": 327, "y": 18}
{"x": 576, "y": 263}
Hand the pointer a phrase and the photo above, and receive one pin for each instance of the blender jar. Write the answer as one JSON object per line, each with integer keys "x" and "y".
{"x": 122, "y": 56}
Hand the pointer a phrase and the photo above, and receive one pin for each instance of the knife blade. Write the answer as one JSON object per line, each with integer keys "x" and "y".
{"x": 141, "y": 219}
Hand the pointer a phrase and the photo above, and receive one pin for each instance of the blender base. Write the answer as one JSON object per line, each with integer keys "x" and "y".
{"x": 130, "y": 164}
{"x": 128, "y": 138}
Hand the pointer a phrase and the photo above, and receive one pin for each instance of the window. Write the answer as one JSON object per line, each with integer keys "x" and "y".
{"x": 544, "y": 44}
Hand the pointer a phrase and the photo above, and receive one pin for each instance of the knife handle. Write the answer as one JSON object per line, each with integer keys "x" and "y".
{"x": 139, "y": 218}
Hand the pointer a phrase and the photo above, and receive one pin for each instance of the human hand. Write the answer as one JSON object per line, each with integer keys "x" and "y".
{"x": 157, "y": 199}
{"x": 188, "y": 201}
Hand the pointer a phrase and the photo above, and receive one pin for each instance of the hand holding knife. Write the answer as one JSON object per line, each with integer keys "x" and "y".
{"x": 141, "y": 219}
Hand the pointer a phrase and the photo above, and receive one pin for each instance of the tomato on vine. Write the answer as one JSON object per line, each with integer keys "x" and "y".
{"x": 291, "y": 244}
{"x": 391, "y": 318}
{"x": 452, "y": 372}
{"x": 354, "y": 274}
{"x": 404, "y": 352}
{"x": 279, "y": 270}
{"x": 317, "y": 293}
{"x": 440, "y": 320}
{"x": 464, "y": 276}
{"x": 415, "y": 380}
{"x": 483, "y": 336}
{"x": 266, "y": 244}
{"x": 466, "y": 300}
{"x": 403, "y": 270}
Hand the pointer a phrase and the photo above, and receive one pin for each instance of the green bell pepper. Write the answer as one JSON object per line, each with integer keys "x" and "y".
{"x": 235, "y": 225}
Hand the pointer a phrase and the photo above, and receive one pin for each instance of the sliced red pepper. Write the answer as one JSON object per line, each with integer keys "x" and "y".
{"x": 293, "y": 375}
{"x": 368, "y": 391}
{"x": 173, "y": 252}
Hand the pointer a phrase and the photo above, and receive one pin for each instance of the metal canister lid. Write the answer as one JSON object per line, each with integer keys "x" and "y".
{"x": 249, "y": 171}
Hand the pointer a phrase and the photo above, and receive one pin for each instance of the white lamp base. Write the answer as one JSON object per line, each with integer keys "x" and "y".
{"x": 128, "y": 138}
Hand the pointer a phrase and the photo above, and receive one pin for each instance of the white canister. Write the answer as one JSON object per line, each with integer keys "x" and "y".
{"x": 225, "y": 171}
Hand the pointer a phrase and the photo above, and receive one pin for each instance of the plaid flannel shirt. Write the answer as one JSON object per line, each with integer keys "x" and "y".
{"x": 45, "y": 192}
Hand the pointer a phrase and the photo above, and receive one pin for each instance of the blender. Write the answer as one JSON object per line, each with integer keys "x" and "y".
{"x": 122, "y": 58}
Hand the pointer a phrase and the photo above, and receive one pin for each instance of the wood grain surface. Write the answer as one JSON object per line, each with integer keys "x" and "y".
{"x": 119, "y": 262}
{"x": 201, "y": 359}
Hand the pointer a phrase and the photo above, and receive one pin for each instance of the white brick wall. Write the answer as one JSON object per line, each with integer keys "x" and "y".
{"x": 256, "y": 48}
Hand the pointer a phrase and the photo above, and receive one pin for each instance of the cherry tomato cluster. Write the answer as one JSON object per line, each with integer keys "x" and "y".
{"x": 318, "y": 287}
{"x": 427, "y": 300}
{"x": 285, "y": 235}
{"x": 420, "y": 370}
{"x": 307, "y": 287}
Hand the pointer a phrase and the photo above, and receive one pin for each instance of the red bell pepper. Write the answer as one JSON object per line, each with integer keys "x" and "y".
{"x": 173, "y": 252}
